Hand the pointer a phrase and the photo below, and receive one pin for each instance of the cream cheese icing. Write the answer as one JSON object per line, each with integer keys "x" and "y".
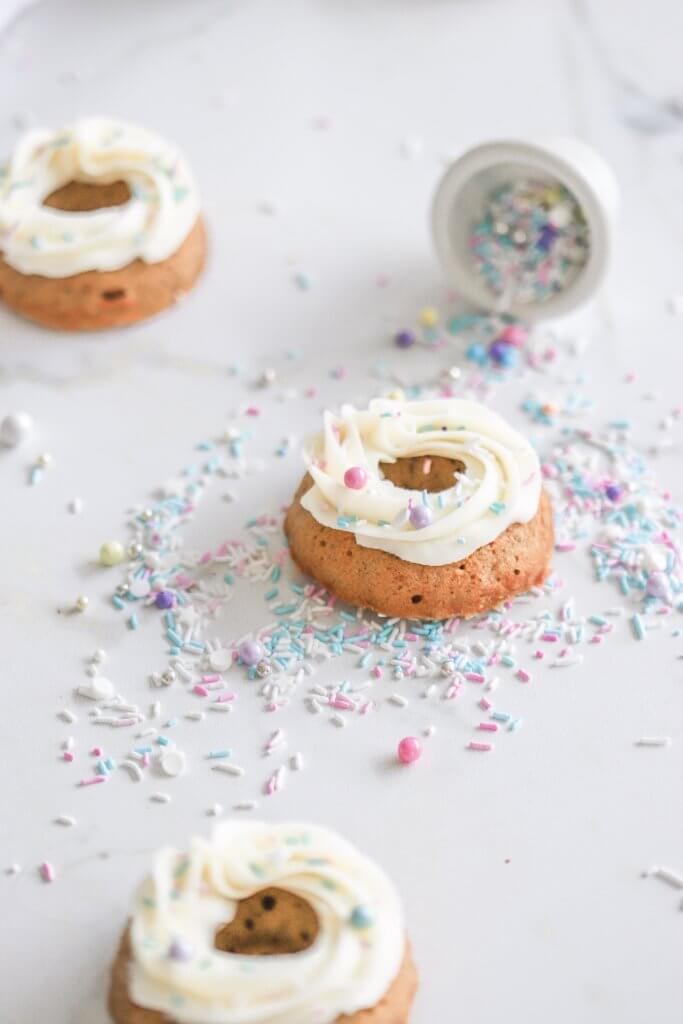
{"x": 151, "y": 226}
{"x": 355, "y": 957}
{"x": 499, "y": 485}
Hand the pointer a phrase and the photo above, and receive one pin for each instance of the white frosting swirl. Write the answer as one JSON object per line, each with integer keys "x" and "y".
{"x": 500, "y": 485}
{"x": 187, "y": 898}
{"x": 151, "y": 226}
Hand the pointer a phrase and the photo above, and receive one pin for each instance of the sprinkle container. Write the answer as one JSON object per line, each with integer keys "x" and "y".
{"x": 526, "y": 230}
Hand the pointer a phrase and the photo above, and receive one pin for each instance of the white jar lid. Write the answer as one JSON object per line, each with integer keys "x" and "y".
{"x": 463, "y": 195}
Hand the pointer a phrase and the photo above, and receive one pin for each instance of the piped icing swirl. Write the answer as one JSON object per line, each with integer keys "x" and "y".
{"x": 355, "y": 957}
{"x": 151, "y": 225}
{"x": 499, "y": 485}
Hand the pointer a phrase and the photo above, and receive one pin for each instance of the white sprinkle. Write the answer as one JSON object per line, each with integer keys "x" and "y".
{"x": 224, "y": 706}
{"x": 296, "y": 762}
{"x": 654, "y": 741}
{"x": 492, "y": 684}
{"x": 339, "y": 721}
{"x": 69, "y": 743}
{"x": 65, "y": 819}
{"x": 147, "y": 732}
{"x": 229, "y": 769}
{"x": 99, "y": 656}
{"x": 134, "y": 769}
{"x": 67, "y": 716}
{"x": 155, "y": 709}
{"x": 397, "y": 699}
{"x": 429, "y": 731}
{"x": 195, "y": 716}
{"x": 161, "y": 798}
{"x": 567, "y": 662}
{"x": 667, "y": 875}
{"x": 215, "y": 810}
{"x": 75, "y": 506}
{"x": 245, "y": 805}
{"x": 13, "y": 869}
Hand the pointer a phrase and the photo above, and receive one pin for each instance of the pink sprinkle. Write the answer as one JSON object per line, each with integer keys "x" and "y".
{"x": 201, "y": 691}
{"x": 487, "y": 727}
{"x": 146, "y": 760}
{"x": 494, "y": 659}
{"x": 67, "y": 756}
{"x": 474, "y": 677}
{"x": 206, "y": 557}
{"x": 376, "y": 672}
{"x": 483, "y": 747}
{"x": 549, "y": 638}
{"x": 223, "y": 550}
{"x": 311, "y": 392}
{"x": 523, "y": 675}
{"x": 538, "y": 655}
{"x": 95, "y": 781}
{"x": 368, "y": 706}
{"x": 485, "y": 704}
{"x": 253, "y": 411}
{"x": 96, "y": 752}
{"x": 224, "y": 697}
{"x": 211, "y": 679}
{"x": 595, "y": 640}
{"x": 47, "y": 872}
{"x": 565, "y": 547}
{"x": 342, "y": 703}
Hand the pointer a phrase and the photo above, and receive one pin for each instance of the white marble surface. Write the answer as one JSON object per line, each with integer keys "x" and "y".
{"x": 521, "y": 870}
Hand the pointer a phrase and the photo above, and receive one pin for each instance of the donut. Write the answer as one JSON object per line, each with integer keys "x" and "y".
{"x": 99, "y": 226}
{"x": 421, "y": 509}
{"x": 264, "y": 924}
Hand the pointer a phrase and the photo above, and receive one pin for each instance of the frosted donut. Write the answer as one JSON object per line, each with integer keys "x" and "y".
{"x": 264, "y": 924}
{"x": 423, "y": 509}
{"x": 99, "y": 225}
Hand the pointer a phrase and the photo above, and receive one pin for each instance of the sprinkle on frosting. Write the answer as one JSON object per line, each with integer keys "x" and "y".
{"x": 355, "y": 957}
{"x": 151, "y": 225}
{"x": 499, "y": 485}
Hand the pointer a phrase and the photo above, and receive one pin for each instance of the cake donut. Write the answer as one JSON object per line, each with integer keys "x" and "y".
{"x": 421, "y": 509}
{"x": 264, "y": 924}
{"x": 99, "y": 226}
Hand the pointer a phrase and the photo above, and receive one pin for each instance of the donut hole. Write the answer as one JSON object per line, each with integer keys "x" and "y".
{"x": 432, "y": 473}
{"x": 271, "y": 922}
{"x": 86, "y": 196}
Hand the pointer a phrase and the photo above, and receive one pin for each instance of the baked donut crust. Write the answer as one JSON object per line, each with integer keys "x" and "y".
{"x": 96, "y": 300}
{"x": 511, "y": 564}
{"x": 393, "y": 1008}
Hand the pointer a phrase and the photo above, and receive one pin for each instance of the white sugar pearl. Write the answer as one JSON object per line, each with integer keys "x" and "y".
{"x": 172, "y": 762}
{"x": 15, "y": 429}
{"x": 99, "y": 689}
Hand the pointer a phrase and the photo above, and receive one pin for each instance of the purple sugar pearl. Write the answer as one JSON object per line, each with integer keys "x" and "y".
{"x": 179, "y": 950}
{"x": 404, "y": 339}
{"x": 613, "y": 492}
{"x": 420, "y": 516}
{"x": 503, "y": 354}
{"x": 164, "y": 599}
{"x": 251, "y": 652}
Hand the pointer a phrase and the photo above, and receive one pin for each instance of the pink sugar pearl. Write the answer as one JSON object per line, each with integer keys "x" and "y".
{"x": 356, "y": 478}
{"x": 409, "y": 750}
{"x": 513, "y": 334}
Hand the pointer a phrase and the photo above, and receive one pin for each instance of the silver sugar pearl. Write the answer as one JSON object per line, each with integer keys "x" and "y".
{"x": 147, "y": 514}
{"x": 134, "y": 549}
{"x": 168, "y": 677}
{"x": 263, "y": 669}
{"x": 268, "y": 377}
{"x": 122, "y": 590}
{"x": 447, "y": 668}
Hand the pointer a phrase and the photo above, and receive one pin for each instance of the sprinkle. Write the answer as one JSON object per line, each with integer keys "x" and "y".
{"x": 47, "y": 871}
{"x": 228, "y": 769}
{"x": 160, "y": 798}
{"x": 482, "y": 747}
{"x": 638, "y": 627}
{"x": 654, "y": 741}
{"x": 666, "y": 875}
{"x": 68, "y": 716}
{"x": 65, "y": 819}
{"x": 488, "y": 727}
{"x": 245, "y": 805}
{"x": 397, "y": 699}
